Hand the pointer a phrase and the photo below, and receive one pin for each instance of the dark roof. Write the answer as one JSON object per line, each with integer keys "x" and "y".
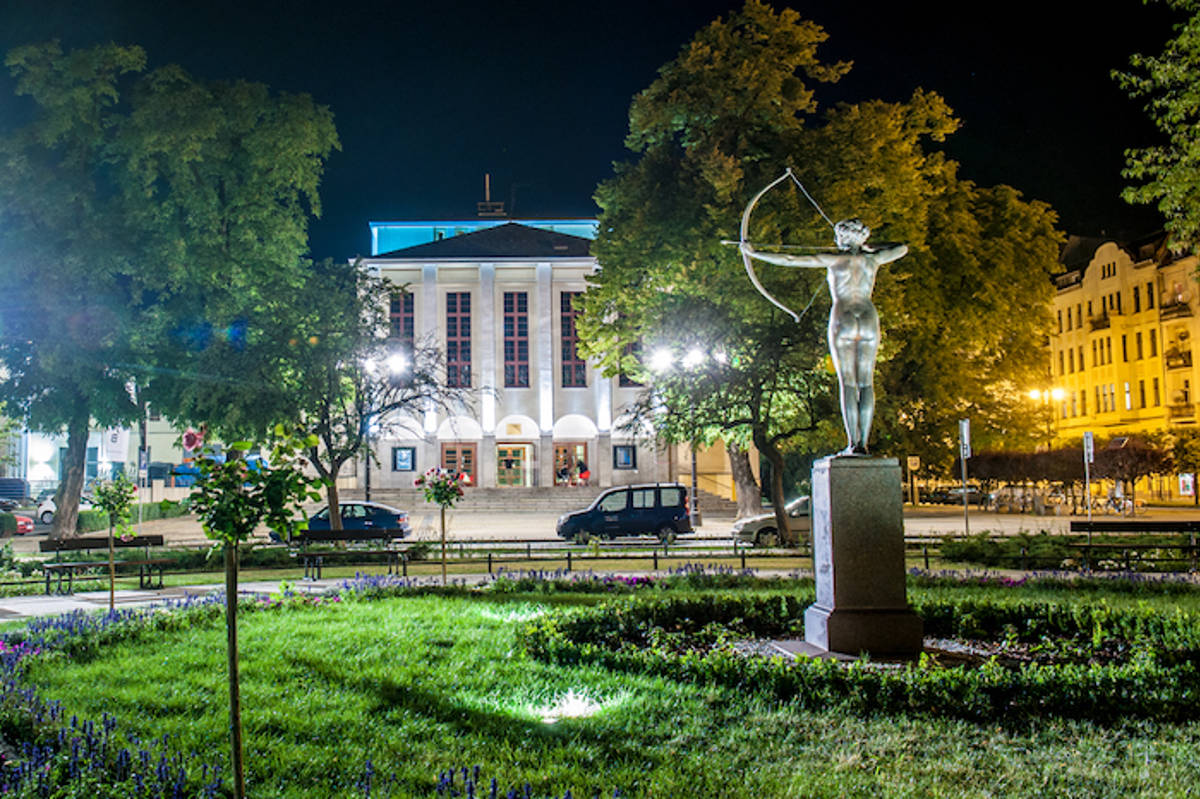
{"x": 509, "y": 240}
{"x": 1078, "y": 251}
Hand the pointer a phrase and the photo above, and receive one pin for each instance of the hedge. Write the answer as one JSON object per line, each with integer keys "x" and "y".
{"x": 1158, "y": 677}
{"x": 95, "y": 519}
{"x": 8, "y": 524}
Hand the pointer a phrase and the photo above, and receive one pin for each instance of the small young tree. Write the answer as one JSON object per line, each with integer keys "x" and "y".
{"x": 232, "y": 497}
{"x": 444, "y": 488}
{"x": 115, "y": 497}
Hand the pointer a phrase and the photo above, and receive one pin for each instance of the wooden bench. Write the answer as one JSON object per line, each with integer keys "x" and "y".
{"x": 1189, "y": 528}
{"x": 67, "y": 569}
{"x": 315, "y": 560}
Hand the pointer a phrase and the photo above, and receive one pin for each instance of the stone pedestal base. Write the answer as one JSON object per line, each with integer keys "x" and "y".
{"x": 858, "y": 560}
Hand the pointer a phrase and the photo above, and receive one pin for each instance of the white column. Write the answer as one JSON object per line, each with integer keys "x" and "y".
{"x": 487, "y": 337}
{"x": 541, "y": 317}
{"x": 429, "y": 329}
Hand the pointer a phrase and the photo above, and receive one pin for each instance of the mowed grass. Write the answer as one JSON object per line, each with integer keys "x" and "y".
{"x": 417, "y": 685}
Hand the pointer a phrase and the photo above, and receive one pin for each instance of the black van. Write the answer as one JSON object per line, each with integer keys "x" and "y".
{"x": 652, "y": 509}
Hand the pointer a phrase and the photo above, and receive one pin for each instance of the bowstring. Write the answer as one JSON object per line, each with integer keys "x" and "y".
{"x": 824, "y": 216}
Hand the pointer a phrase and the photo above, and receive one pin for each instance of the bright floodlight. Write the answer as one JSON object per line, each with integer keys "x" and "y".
{"x": 661, "y": 360}
{"x": 1057, "y": 394}
{"x": 693, "y": 358}
{"x": 397, "y": 363}
{"x": 1034, "y": 394}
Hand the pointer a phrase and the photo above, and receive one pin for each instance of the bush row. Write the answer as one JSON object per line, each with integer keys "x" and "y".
{"x": 8, "y": 524}
{"x": 95, "y": 519}
{"x": 1159, "y": 679}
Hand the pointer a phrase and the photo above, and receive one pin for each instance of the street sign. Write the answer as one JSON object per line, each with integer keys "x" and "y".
{"x": 964, "y": 438}
{"x": 1089, "y": 447}
{"x": 914, "y": 462}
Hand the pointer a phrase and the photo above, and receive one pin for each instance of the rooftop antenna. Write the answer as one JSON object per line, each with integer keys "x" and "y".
{"x": 487, "y": 207}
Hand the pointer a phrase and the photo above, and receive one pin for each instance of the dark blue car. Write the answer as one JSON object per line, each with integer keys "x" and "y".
{"x": 359, "y": 515}
{"x": 649, "y": 509}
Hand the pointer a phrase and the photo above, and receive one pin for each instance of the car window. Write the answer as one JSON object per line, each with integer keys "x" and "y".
{"x": 643, "y": 498}
{"x": 323, "y": 513}
{"x": 672, "y": 497}
{"x": 353, "y": 512}
{"x": 614, "y": 502}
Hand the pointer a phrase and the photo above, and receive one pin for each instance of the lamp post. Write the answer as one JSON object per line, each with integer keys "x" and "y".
{"x": 661, "y": 361}
{"x": 393, "y": 365}
{"x": 1046, "y": 396}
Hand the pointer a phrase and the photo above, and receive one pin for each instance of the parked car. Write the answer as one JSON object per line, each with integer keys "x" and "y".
{"x": 24, "y": 524}
{"x": 644, "y": 509}
{"x": 761, "y": 530}
{"x": 358, "y": 515}
{"x": 8, "y": 505}
{"x": 46, "y": 508}
{"x": 975, "y": 495}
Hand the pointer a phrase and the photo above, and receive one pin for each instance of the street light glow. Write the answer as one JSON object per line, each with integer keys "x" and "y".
{"x": 397, "y": 363}
{"x": 661, "y": 360}
{"x": 694, "y": 358}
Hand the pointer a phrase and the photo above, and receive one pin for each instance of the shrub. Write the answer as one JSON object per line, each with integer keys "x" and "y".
{"x": 8, "y": 524}
{"x": 1156, "y": 674}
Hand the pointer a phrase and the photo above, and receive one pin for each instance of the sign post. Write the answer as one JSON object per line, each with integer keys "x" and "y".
{"x": 964, "y": 452}
{"x": 1089, "y": 457}
{"x": 913, "y": 463}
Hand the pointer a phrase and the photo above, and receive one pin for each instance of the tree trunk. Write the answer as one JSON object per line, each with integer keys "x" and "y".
{"x": 235, "y": 698}
{"x": 331, "y": 494}
{"x": 775, "y": 458}
{"x": 749, "y": 496}
{"x": 443, "y": 545}
{"x": 66, "y": 512}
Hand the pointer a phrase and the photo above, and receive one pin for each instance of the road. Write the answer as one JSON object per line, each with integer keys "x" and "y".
{"x": 463, "y": 524}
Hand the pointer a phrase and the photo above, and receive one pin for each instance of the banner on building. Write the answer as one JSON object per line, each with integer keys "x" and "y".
{"x": 116, "y": 445}
{"x": 1187, "y": 484}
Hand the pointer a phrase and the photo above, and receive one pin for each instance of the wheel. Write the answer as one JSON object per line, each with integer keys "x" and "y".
{"x": 47, "y": 517}
{"x": 767, "y": 537}
{"x": 666, "y": 534}
{"x": 583, "y": 537}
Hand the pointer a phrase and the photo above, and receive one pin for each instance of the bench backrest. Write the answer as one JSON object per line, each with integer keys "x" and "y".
{"x": 1136, "y": 526}
{"x": 318, "y": 536}
{"x": 97, "y": 542}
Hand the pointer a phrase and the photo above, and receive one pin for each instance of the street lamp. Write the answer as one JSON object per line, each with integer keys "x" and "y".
{"x": 1046, "y": 397}
{"x": 661, "y": 361}
{"x": 394, "y": 364}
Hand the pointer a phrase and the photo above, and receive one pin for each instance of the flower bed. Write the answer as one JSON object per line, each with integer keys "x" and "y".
{"x": 1091, "y": 662}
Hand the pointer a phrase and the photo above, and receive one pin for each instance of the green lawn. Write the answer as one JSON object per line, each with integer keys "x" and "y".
{"x": 418, "y": 685}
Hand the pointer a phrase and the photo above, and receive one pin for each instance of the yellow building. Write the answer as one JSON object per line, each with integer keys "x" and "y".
{"x": 1121, "y": 354}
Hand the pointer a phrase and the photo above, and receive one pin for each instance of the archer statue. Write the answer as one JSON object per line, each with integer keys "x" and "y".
{"x": 853, "y": 321}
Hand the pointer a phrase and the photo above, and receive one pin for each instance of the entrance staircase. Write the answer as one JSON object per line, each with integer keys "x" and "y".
{"x": 558, "y": 499}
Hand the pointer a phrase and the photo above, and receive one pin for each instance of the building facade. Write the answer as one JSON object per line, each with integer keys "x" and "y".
{"x": 1121, "y": 352}
{"x": 497, "y": 296}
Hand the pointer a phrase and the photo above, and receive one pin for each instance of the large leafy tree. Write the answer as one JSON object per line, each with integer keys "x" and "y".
{"x": 1168, "y": 174}
{"x": 352, "y": 374}
{"x": 719, "y": 123}
{"x": 151, "y": 232}
{"x": 65, "y": 263}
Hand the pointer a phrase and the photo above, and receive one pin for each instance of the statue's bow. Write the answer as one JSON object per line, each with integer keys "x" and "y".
{"x": 745, "y": 239}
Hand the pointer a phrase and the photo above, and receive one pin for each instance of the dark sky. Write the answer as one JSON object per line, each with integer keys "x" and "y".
{"x": 428, "y": 97}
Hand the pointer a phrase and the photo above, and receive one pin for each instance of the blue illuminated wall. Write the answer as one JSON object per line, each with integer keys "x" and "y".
{"x": 389, "y": 236}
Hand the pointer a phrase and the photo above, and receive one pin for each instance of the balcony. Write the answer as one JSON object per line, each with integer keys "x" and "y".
{"x": 1178, "y": 359}
{"x": 1100, "y": 322}
{"x": 1174, "y": 310}
{"x": 1186, "y": 410}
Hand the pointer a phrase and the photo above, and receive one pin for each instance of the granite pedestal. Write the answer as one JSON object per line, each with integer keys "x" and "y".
{"x": 858, "y": 560}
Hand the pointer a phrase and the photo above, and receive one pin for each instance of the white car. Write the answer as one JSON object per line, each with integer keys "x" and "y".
{"x": 46, "y": 508}
{"x": 761, "y": 530}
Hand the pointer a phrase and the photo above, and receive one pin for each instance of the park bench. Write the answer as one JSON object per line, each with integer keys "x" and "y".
{"x": 314, "y": 560}
{"x": 1131, "y": 552}
{"x": 66, "y": 570}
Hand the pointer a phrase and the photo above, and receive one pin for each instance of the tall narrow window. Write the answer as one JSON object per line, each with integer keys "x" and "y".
{"x": 1142, "y": 393}
{"x": 1157, "y": 399}
{"x": 1083, "y": 402}
{"x": 1153, "y": 343}
{"x": 400, "y": 314}
{"x": 1137, "y": 345}
{"x": 1137, "y": 299}
{"x": 1081, "y": 357}
{"x": 1099, "y": 405}
{"x": 1094, "y": 361}
{"x": 458, "y": 339}
{"x": 1060, "y": 327}
{"x": 574, "y": 370}
{"x": 1125, "y": 348}
{"x": 1128, "y": 398}
{"x": 1150, "y": 297}
{"x": 516, "y": 339}
{"x": 1071, "y": 360}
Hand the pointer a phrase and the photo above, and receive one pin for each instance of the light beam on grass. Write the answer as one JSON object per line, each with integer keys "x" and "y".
{"x": 574, "y": 705}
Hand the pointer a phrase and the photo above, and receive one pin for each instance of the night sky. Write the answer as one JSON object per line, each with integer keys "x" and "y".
{"x": 429, "y": 97}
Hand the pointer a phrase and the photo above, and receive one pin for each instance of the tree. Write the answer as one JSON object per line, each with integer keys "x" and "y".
{"x": 1129, "y": 459}
{"x": 232, "y": 498}
{"x": 115, "y": 498}
{"x": 349, "y": 374}
{"x": 1185, "y": 454}
{"x": 718, "y": 124}
{"x": 64, "y": 259}
{"x": 1169, "y": 174}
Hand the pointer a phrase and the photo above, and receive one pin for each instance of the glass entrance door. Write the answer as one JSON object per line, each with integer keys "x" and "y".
{"x": 512, "y": 465}
{"x": 570, "y": 459}
{"x": 459, "y": 458}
